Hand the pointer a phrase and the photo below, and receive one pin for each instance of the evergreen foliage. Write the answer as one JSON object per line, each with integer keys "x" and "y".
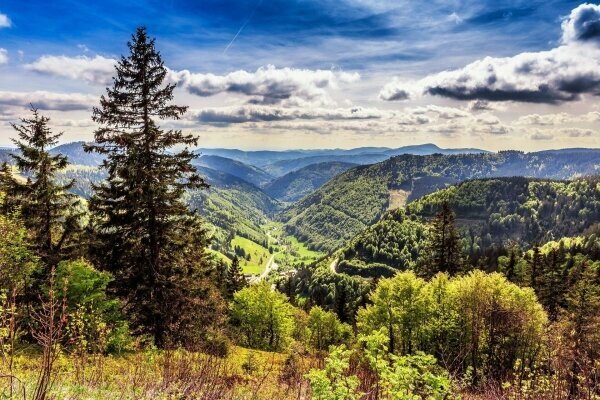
{"x": 234, "y": 279}
{"x": 443, "y": 246}
{"x": 492, "y": 218}
{"x": 51, "y": 214}
{"x": 144, "y": 232}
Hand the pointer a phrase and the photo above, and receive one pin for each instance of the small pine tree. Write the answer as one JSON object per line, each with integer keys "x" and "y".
{"x": 144, "y": 232}
{"x": 50, "y": 212}
{"x": 444, "y": 246}
{"x": 535, "y": 265}
{"x": 510, "y": 268}
{"x": 235, "y": 278}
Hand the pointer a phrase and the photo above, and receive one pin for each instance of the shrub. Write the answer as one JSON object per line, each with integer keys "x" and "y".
{"x": 96, "y": 322}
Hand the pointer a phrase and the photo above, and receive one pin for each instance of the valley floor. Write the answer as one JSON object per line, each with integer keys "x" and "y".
{"x": 283, "y": 253}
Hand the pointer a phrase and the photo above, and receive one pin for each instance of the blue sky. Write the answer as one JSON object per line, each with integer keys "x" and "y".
{"x": 343, "y": 73}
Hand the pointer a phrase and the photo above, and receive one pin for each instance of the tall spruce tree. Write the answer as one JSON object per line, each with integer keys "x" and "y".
{"x": 145, "y": 234}
{"x": 50, "y": 212}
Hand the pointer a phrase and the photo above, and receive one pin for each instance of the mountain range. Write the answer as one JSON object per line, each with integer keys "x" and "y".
{"x": 325, "y": 198}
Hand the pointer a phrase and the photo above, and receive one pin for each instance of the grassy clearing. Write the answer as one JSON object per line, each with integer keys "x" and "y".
{"x": 152, "y": 374}
{"x": 289, "y": 252}
{"x": 398, "y": 198}
{"x": 294, "y": 253}
{"x": 257, "y": 256}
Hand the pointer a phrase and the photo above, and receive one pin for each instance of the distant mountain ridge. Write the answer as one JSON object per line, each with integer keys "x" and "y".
{"x": 261, "y": 158}
{"x": 249, "y": 173}
{"x": 77, "y": 155}
{"x": 283, "y": 167}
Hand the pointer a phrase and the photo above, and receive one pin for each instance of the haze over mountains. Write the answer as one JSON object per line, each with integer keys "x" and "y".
{"x": 281, "y": 162}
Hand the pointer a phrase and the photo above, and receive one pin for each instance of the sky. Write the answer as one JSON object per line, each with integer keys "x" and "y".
{"x": 281, "y": 74}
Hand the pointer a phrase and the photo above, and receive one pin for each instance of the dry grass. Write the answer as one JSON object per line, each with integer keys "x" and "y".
{"x": 397, "y": 199}
{"x": 244, "y": 374}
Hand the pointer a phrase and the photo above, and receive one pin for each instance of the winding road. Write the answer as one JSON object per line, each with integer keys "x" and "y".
{"x": 265, "y": 271}
{"x": 270, "y": 264}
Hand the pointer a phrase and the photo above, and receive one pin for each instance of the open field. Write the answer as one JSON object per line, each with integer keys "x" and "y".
{"x": 256, "y": 255}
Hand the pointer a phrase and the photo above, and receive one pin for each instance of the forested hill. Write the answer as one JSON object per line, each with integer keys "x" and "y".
{"x": 4, "y": 155}
{"x": 284, "y": 167}
{"x": 77, "y": 155}
{"x": 267, "y": 158}
{"x": 489, "y": 212}
{"x": 297, "y": 184}
{"x": 354, "y": 200}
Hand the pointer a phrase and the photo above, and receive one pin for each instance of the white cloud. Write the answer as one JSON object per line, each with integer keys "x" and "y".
{"x": 484, "y": 105}
{"x": 441, "y": 112}
{"x": 268, "y": 85}
{"x": 583, "y": 24}
{"x": 3, "y": 56}
{"x": 488, "y": 119}
{"x": 5, "y": 22}
{"x": 540, "y": 135}
{"x": 48, "y": 100}
{"x": 396, "y": 90}
{"x": 95, "y": 70}
{"x": 554, "y": 76}
{"x": 558, "y": 119}
{"x": 577, "y": 132}
{"x": 454, "y": 17}
{"x": 74, "y": 123}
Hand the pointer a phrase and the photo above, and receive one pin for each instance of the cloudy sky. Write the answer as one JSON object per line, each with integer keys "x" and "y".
{"x": 275, "y": 74}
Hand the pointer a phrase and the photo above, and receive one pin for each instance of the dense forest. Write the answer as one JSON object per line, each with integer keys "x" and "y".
{"x": 156, "y": 273}
{"x": 491, "y": 215}
{"x": 352, "y": 201}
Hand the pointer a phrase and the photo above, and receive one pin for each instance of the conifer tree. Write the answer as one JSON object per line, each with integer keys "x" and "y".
{"x": 145, "y": 234}
{"x": 235, "y": 277}
{"x": 583, "y": 327}
{"x": 444, "y": 246}
{"x": 535, "y": 265}
{"x": 48, "y": 209}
